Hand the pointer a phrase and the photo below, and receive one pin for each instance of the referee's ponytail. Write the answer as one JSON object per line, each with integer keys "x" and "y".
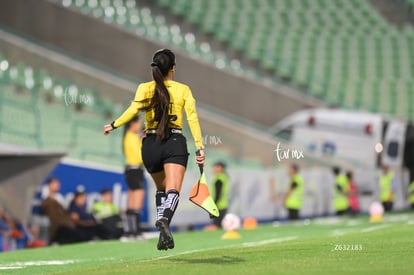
{"x": 163, "y": 62}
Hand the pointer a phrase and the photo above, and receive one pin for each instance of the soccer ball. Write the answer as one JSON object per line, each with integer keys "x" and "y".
{"x": 376, "y": 209}
{"x": 231, "y": 222}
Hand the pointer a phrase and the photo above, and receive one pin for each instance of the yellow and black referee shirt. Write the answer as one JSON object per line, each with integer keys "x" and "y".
{"x": 180, "y": 98}
{"x": 132, "y": 149}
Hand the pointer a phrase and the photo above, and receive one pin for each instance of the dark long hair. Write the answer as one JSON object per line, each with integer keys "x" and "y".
{"x": 126, "y": 128}
{"x": 163, "y": 62}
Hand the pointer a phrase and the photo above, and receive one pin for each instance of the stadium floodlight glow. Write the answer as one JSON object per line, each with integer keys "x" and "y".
{"x": 189, "y": 37}
{"x": 13, "y": 73}
{"x": 79, "y": 3}
{"x": 58, "y": 91}
{"x": 379, "y": 148}
{"x": 109, "y": 12}
{"x": 66, "y": 3}
{"x": 220, "y": 63}
{"x": 205, "y": 47}
{"x": 4, "y": 65}
{"x": 47, "y": 83}
{"x": 73, "y": 90}
{"x": 28, "y": 72}
{"x": 130, "y": 3}
{"x": 175, "y": 29}
{"x": 29, "y": 83}
{"x": 93, "y": 3}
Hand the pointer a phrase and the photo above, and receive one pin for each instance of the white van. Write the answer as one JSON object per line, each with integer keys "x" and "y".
{"x": 361, "y": 141}
{"x": 360, "y": 138}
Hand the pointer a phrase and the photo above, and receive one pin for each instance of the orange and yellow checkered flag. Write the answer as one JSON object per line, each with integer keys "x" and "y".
{"x": 200, "y": 195}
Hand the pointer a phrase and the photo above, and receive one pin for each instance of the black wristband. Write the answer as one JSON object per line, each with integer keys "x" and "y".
{"x": 113, "y": 125}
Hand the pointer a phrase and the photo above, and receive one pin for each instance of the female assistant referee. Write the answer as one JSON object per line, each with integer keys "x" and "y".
{"x": 164, "y": 149}
{"x": 134, "y": 176}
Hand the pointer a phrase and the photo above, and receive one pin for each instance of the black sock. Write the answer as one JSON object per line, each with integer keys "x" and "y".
{"x": 170, "y": 204}
{"x": 159, "y": 203}
{"x": 133, "y": 219}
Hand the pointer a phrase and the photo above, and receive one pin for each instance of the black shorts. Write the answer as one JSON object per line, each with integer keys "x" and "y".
{"x": 134, "y": 178}
{"x": 156, "y": 152}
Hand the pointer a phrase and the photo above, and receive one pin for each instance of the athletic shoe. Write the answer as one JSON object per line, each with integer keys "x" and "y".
{"x": 160, "y": 245}
{"x": 165, "y": 240}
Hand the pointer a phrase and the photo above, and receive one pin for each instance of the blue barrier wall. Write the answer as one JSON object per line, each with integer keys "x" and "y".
{"x": 93, "y": 180}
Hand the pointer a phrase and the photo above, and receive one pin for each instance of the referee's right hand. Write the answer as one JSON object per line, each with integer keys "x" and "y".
{"x": 107, "y": 129}
{"x": 200, "y": 158}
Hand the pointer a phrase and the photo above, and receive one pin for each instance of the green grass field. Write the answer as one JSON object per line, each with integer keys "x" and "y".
{"x": 325, "y": 246}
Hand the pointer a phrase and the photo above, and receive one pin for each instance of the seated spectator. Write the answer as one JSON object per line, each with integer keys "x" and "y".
{"x": 84, "y": 221}
{"x": 108, "y": 214}
{"x": 62, "y": 229}
{"x": 14, "y": 235}
{"x": 5, "y": 232}
{"x": 36, "y": 241}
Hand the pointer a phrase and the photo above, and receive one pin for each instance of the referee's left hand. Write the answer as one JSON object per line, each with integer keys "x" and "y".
{"x": 201, "y": 158}
{"x": 107, "y": 129}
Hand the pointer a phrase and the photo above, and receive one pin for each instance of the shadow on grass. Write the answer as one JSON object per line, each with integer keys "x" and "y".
{"x": 214, "y": 260}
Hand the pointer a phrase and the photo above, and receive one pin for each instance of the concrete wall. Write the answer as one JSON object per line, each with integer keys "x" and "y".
{"x": 20, "y": 178}
{"x": 130, "y": 54}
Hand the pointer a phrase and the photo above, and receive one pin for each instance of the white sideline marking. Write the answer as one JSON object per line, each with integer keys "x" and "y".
{"x": 259, "y": 243}
{"x": 328, "y": 221}
{"x": 150, "y": 235}
{"x": 353, "y": 223}
{"x": 19, "y": 265}
{"x": 247, "y": 244}
{"x": 338, "y": 233}
{"x": 374, "y": 228}
{"x": 396, "y": 218}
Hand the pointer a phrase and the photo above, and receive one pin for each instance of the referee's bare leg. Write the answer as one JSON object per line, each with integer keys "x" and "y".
{"x": 168, "y": 184}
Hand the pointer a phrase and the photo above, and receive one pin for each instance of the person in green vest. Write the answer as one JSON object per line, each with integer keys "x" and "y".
{"x": 386, "y": 188}
{"x": 220, "y": 191}
{"x": 108, "y": 214}
{"x": 341, "y": 192}
{"x": 411, "y": 194}
{"x": 294, "y": 195}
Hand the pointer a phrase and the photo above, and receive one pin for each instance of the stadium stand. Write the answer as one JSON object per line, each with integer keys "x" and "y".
{"x": 140, "y": 20}
{"x": 343, "y": 52}
{"x": 42, "y": 110}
